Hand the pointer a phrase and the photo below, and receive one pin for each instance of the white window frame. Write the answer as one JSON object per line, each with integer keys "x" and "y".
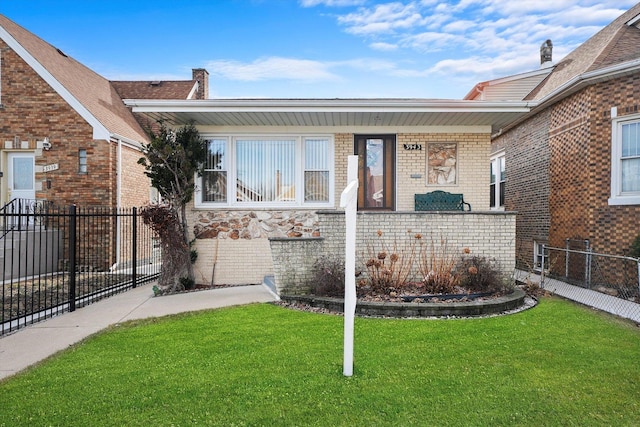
{"x": 495, "y": 161}
{"x": 230, "y": 161}
{"x": 537, "y": 246}
{"x": 618, "y": 197}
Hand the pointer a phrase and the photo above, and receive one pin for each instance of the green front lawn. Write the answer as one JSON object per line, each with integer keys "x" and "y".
{"x": 263, "y": 365}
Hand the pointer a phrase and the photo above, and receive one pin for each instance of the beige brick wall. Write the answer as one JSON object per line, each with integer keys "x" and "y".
{"x": 237, "y": 262}
{"x": 487, "y": 234}
{"x": 473, "y": 168}
{"x": 343, "y": 149}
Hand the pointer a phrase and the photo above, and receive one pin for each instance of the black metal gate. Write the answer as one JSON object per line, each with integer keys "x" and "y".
{"x": 57, "y": 258}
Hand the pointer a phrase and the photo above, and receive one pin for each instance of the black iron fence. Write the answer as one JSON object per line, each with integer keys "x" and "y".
{"x": 58, "y": 258}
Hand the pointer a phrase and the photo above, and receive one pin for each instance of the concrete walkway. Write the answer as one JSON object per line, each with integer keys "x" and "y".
{"x": 610, "y": 304}
{"x": 37, "y": 342}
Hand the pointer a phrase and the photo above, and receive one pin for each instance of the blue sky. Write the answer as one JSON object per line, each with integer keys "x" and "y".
{"x": 315, "y": 48}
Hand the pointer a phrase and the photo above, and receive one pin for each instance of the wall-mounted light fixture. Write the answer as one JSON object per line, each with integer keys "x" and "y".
{"x": 46, "y": 145}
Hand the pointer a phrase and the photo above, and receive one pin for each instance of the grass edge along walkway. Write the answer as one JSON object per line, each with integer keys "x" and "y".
{"x": 556, "y": 364}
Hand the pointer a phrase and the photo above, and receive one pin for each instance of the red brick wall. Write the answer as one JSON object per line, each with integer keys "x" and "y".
{"x": 571, "y": 169}
{"x": 558, "y": 170}
{"x": 31, "y": 110}
{"x": 612, "y": 228}
{"x": 527, "y": 184}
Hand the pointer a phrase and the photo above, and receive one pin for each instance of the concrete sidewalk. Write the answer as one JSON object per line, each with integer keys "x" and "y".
{"x": 614, "y": 305}
{"x": 43, "y": 339}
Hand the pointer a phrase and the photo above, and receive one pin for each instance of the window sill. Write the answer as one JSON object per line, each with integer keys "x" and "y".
{"x": 624, "y": 200}
{"x": 222, "y": 206}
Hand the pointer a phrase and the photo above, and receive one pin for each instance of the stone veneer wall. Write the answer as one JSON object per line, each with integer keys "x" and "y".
{"x": 250, "y": 224}
{"x": 490, "y": 234}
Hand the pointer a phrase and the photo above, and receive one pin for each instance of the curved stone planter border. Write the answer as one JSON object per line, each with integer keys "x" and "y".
{"x": 423, "y": 309}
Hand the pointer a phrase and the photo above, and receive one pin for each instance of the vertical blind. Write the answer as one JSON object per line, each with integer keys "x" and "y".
{"x": 265, "y": 170}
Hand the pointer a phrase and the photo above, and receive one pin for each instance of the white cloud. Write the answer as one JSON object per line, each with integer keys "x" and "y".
{"x": 302, "y": 70}
{"x": 383, "y": 18}
{"x": 432, "y": 41}
{"x": 467, "y": 40}
{"x": 331, "y": 3}
{"x": 273, "y": 68}
{"x": 459, "y": 26}
{"x": 382, "y": 46}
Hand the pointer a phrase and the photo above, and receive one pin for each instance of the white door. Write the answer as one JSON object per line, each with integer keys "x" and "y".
{"x": 21, "y": 180}
{"x": 21, "y": 176}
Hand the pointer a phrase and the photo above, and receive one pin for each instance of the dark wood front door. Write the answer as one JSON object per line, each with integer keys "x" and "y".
{"x": 376, "y": 171}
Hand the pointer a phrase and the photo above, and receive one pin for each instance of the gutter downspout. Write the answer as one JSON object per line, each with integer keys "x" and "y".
{"x": 118, "y": 202}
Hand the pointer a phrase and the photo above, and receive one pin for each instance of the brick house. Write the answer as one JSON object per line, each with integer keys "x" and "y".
{"x": 276, "y": 167}
{"x": 571, "y": 167}
{"x": 66, "y": 136}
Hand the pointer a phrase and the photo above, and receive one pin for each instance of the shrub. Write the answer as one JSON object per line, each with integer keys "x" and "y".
{"x": 328, "y": 277}
{"x": 480, "y": 274}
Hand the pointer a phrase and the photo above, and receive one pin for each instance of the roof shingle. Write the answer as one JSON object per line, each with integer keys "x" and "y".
{"x": 91, "y": 90}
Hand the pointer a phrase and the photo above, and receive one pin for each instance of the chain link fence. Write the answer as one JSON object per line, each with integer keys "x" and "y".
{"x": 613, "y": 280}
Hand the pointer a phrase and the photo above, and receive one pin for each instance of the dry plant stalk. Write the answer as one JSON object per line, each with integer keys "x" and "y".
{"x": 388, "y": 267}
{"x": 437, "y": 267}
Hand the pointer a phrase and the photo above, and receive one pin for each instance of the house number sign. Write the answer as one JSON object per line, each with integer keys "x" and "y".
{"x": 51, "y": 167}
{"x": 413, "y": 147}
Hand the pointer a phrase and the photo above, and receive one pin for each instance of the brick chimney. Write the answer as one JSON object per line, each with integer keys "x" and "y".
{"x": 202, "y": 77}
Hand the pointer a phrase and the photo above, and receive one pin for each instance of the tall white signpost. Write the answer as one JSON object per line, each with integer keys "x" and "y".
{"x": 349, "y": 201}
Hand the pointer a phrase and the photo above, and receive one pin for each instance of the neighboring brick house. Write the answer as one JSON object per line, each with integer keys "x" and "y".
{"x": 65, "y": 134}
{"x": 571, "y": 167}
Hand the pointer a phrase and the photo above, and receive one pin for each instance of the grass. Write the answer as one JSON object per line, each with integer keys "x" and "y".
{"x": 263, "y": 365}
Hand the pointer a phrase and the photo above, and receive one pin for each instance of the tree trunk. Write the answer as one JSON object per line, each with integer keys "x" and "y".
{"x": 185, "y": 232}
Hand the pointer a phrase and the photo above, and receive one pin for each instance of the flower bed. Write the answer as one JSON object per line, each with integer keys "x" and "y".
{"x": 444, "y": 308}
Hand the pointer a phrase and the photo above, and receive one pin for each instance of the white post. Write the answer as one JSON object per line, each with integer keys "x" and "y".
{"x": 349, "y": 201}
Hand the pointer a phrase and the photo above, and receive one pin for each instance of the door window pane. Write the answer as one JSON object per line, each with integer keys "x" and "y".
{"x": 497, "y": 181}
{"x": 23, "y": 173}
{"x": 375, "y": 172}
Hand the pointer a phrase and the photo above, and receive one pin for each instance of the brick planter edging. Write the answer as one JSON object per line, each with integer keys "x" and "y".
{"x": 411, "y": 309}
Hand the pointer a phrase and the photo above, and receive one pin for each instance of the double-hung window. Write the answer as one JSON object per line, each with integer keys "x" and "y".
{"x": 497, "y": 180}
{"x": 625, "y": 161}
{"x": 267, "y": 171}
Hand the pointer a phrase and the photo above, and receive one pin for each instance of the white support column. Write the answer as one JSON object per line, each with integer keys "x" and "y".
{"x": 349, "y": 201}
